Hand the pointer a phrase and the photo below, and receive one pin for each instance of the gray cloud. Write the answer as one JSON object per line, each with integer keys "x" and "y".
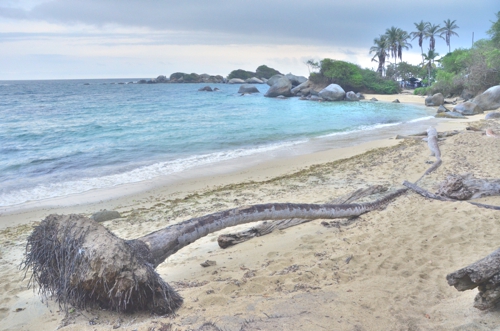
{"x": 347, "y": 24}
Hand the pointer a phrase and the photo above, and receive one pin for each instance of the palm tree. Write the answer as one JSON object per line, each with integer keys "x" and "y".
{"x": 379, "y": 49}
{"x": 420, "y": 34}
{"x": 431, "y": 32}
{"x": 392, "y": 41}
{"x": 428, "y": 64}
{"x": 402, "y": 43}
{"x": 447, "y": 31}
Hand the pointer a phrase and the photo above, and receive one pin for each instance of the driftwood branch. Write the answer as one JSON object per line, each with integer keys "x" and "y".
{"x": 267, "y": 227}
{"x": 483, "y": 274}
{"x": 427, "y": 194}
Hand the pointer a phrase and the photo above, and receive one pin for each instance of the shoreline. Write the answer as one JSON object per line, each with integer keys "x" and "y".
{"x": 229, "y": 171}
{"x": 400, "y": 255}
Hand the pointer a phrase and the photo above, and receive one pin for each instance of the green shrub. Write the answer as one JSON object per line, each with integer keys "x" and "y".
{"x": 241, "y": 74}
{"x": 264, "y": 71}
{"x": 421, "y": 91}
{"x": 342, "y": 73}
{"x": 372, "y": 82}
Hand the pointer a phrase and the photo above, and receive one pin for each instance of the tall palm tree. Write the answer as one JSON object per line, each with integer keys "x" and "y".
{"x": 392, "y": 41}
{"x": 402, "y": 43}
{"x": 432, "y": 32}
{"x": 428, "y": 64}
{"x": 448, "y": 31}
{"x": 420, "y": 34}
{"x": 379, "y": 49}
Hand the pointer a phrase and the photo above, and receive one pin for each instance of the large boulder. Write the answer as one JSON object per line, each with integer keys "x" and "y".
{"x": 296, "y": 80}
{"x": 206, "y": 89}
{"x": 161, "y": 79}
{"x": 247, "y": 88}
{"x": 273, "y": 79}
{"x": 236, "y": 81}
{"x": 450, "y": 114}
{"x": 105, "y": 215}
{"x": 435, "y": 100}
{"x": 490, "y": 99}
{"x": 468, "y": 108}
{"x": 281, "y": 86}
{"x": 491, "y": 116}
{"x": 254, "y": 80}
{"x": 351, "y": 96}
{"x": 332, "y": 92}
{"x": 308, "y": 88}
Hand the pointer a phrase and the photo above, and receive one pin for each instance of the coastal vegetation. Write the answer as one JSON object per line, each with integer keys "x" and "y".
{"x": 461, "y": 72}
{"x": 352, "y": 77}
{"x": 262, "y": 71}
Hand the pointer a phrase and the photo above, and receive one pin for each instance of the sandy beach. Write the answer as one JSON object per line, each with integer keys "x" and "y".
{"x": 382, "y": 271}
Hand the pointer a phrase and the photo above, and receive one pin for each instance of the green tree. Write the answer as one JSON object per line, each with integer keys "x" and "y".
{"x": 342, "y": 73}
{"x": 264, "y": 71}
{"x": 494, "y": 31}
{"x": 397, "y": 40}
{"x": 448, "y": 30}
{"x": 241, "y": 74}
{"x": 379, "y": 51}
{"x": 419, "y": 33}
{"x": 429, "y": 60}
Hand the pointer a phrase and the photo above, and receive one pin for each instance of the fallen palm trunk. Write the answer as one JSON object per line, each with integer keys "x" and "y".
{"x": 483, "y": 274}
{"x": 231, "y": 239}
{"x": 80, "y": 263}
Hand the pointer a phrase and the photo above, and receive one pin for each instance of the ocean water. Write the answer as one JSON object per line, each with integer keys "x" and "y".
{"x": 59, "y": 138}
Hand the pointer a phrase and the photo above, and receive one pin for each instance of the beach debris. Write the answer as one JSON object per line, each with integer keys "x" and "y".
{"x": 79, "y": 263}
{"x": 491, "y": 133}
{"x": 267, "y": 227}
{"x": 349, "y": 258}
{"x": 483, "y": 274}
{"x": 208, "y": 263}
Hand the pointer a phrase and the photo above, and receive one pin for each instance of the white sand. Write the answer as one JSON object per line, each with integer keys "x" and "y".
{"x": 298, "y": 279}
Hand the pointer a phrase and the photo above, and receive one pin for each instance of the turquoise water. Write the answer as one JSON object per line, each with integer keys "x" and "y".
{"x": 66, "y": 137}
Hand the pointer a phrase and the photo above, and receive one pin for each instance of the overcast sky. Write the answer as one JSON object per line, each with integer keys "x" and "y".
{"x": 70, "y": 39}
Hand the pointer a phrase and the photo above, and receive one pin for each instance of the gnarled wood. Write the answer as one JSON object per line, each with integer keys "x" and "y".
{"x": 167, "y": 241}
{"x": 466, "y": 187}
{"x": 484, "y": 274}
{"x": 267, "y": 227}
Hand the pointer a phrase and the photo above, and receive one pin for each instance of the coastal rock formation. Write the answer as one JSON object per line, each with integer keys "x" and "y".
{"x": 351, "y": 96}
{"x": 236, "y": 81}
{"x": 105, "y": 215}
{"x": 273, "y": 79}
{"x": 247, "y": 88}
{"x": 396, "y": 101}
{"x": 449, "y": 114}
{"x": 442, "y": 109}
{"x": 434, "y": 100}
{"x": 490, "y": 99}
{"x": 332, "y": 92}
{"x": 296, "y": 80}
{"x": 206, "y": 89}
{"x": 282, "y": 86}
{"x": 161, "y": 79}
{"x": 307, "y": 88}
{"x": 254, "y": 80}
{"x": 181, "y": 77}
{"x": 468, "y": 108}
{"x": 492, "y": 115}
